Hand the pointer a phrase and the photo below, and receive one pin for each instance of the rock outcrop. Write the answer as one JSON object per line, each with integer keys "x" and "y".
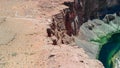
{"x": 24, "y": 42}
{"x": 65, "y": 56}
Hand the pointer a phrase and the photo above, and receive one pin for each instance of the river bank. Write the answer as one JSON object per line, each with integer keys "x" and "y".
{"x": 109, "y": 50}
{"x": 93, "y": 40}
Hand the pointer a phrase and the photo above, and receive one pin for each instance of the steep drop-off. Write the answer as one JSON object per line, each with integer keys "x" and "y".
{"x": 93, "y": 40}
{"x": 24, "y": 42}
{"x": 91, "y": 35}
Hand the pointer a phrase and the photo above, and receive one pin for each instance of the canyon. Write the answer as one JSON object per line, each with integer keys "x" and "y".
{"x": 24, "y": 40}
{"x": 59, "y": 34}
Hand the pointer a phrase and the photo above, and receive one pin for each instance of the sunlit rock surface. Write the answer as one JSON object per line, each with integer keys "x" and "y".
{"x": 24, "y": 42}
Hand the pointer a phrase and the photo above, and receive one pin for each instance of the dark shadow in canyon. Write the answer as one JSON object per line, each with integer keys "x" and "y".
{"x": 69, "y": 20}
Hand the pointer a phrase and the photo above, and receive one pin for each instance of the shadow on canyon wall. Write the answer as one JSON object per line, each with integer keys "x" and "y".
{"x": 69, "y": 20}
{"x": 81, "y": 11}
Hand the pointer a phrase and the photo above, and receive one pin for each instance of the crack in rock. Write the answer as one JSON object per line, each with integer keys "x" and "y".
{"x": 3, "y": 20}
{"x": 9, "y": 41}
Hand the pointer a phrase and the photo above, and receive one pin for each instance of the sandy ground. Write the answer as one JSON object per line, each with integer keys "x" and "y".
{"x": 30, "y": 8}
{"x": 24, "y": 42}
{"x": 20, "y": 40}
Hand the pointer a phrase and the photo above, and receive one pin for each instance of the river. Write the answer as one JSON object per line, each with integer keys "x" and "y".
{"x": 109, "y": 51}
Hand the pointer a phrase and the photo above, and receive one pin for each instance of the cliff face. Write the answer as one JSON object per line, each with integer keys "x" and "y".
{"x": 24, "y": 42}
{"x": 80, "y": 11}
{"x": 94, "y": 30}
{"x": 92, "y": 9}
{"x": 93, "y": 34}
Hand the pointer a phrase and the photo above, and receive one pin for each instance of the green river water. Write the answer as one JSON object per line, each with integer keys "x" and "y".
{"x": 108, "y": 53}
